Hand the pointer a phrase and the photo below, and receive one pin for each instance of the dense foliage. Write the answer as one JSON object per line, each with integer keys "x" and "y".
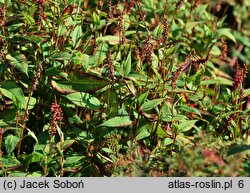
{"x": 124, "y": 88}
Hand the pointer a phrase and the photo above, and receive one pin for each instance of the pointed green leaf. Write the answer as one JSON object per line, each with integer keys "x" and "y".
{"x": 157, "y": 31}
{"x": 81, "y": 59}
{"x": 188, "y": 109}
{"x": 175, "y": 118}
{"x": 68, "y": 142}
{"x": 244, "y": 39}
{"x": 186, "y": 126}
{"x": 167, "y": 141}
{"x": 142, "y": 98}
{"x": 247, "y": 92}
{"x": 71, "y": 116}
{"x": 161, "y": 133}
{"x": 11, "y": 142}
{"x": 142, "y": 135}
{"x": 10, "y": 161}
{"x": 18, "y": 61}
{"x": 112, "y": 40}
{"x": 35, "y": 157}
{"x": 191, "y": 25}
{"x": 35, "y": 174}
{"x": 18, "y": 174}
{"x": 6, "y": 93}
{"x": 33, "y": 38}
{"x": 61, "y": 56}
{"x": 226, "y": 32}
{"x": 28, "y": 18}
{"x": 119, "y": 121}
{"x": 100, "y": 55}
{"x": 76, "y": 34}
{"x": 73, "y": 159}
{"x": 238, "y": 149}
{"x": 32, "y": 134}
{"x": 55, "y": 71}
{"x": 32, "y": 102}
{"x": 84, "y": 100}
{"x": 86, "y": 83}
{"x": 155, "y": 61}
{"x": 107, "y": 150}
{"x": 151, "y": 104}
{"x": 220, "y": 81}
{"x": 17, "y": 93}
{"x": 126, "y": 66}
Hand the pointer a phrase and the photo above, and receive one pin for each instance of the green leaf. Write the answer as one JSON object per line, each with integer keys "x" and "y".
{"x": 157, "y": 31}
{"x": 112, "y": 40}
{"x": 32, "y": 134}
{"x": 186, "y": 126}
{"x": 119, "y": 121}
{"x": 28, "y": 18}
{"x": 107, "y": 150}
{"x": 32, "y": 102}
{"x": 32, "y": 158}
{"x": 246, "y": 92}
{"x": 17, "y": 93}
{"x": 95, "y": 18}
{"x": 3, "y": 123}
{"x": 36, "y": 157}
{"x": 155, "y": 61}
{"x": 142, "y": 98}
{"x": 220, "y": 81}
{"x": 73, "y": 159}
{"x": 151, "y": 104}
{"x": 72, "y": 117}
{"x": 86, "y": 83}
{"x": 61, "y": 56}
{"x": 238, "y": 149}
{"x": 35, "y": 174}
{"x": 80, "y": 133}
{"x": 100, "y": 55}
{"x": 81, "y": 59}
{"x": 242, "y": 38}
{"x": 167, "y": 141}
{"x": 142, "y": 135}
{"x": 55, "y": 71}
{"x": 67, "y": 143}
{"x": 215, "y": 51}
{"x": 156, "y": 71}
{"x": 18, "y": 174}
{"x": 10, "y": 161}
{"x": 18, "y": 61}
{"x": 226, "y": 32}
{"x": 191, "y": 25}
{"x": 126, "y": 22}
{"x": 84, "y": 100}
{"x": 188, "y": 109}
{"x": 76, "y": 34}
{"x": 6, "y": 93}
{"x": 8, "y": 116}
{"x": 175, "y": 118}
{"x": 126, "y": 66}
{"x": 35, "y": 39}
{"x": 201, "y": 9}
{"x": 161, "y": 133}
{"x": 11, "y": 142}
{"x": 138, "y": 77}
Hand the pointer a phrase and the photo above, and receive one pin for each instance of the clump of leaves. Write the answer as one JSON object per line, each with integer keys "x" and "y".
{"x": 101, "y": 88}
